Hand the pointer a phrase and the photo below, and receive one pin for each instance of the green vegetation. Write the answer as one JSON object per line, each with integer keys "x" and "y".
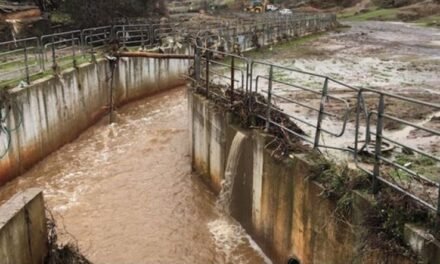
{"x": 64, "y": 63}
{"x": 58, "y": 17}
{"x": 385, "y": 222}
{"x": 429, "y": 21}
{"x": 389, "y": 14}
{"x": 417, "y": 163}
{"x": 282, "y": 76}
{"x": 338, "y": 181}
{"x": 294, "y": 45}
{"x": 13, "y": 83}
{"x": 384, "y": 219}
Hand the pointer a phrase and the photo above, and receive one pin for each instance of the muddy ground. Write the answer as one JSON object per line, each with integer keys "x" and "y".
{"x": 398, "y": 58}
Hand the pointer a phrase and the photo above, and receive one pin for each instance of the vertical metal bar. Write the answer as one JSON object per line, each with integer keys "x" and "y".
{"x": 123, "y": 37}
{"x": 54, "y": 60}
{"x": 73, "y": 50}
{"x": 321, "y": 114}
{"x": 40, "y": 54}
{"x": 151, "y": 35}
{"x": 247, "y": 77}
{"x": 197, "y": 64}
{"x": 81, "y": 42}
{"x": 92, "y": 50}
{"x": 232, "y": 78}
{"x": 26, "y": 63}
{"x": 378, "y": 147}
{"x": 208, "y": 54}
{"x": 269, "y": 99}
{"x": 142, "y": 39}
{"x": 356, "y": 137}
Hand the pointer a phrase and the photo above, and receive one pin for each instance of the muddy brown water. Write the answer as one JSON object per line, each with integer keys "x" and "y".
{"x": 126, "y": 193}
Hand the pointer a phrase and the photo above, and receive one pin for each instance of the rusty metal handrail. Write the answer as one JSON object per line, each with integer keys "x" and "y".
{"x": 380, "y": 160}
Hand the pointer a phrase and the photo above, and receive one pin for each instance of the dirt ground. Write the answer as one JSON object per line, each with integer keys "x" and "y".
{"x": 398, "y": 58}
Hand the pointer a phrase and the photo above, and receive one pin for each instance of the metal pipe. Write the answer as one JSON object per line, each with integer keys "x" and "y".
{"x": 136, "y": 54}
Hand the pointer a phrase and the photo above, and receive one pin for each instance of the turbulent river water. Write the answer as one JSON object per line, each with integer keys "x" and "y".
{"x": 126, "y": 193}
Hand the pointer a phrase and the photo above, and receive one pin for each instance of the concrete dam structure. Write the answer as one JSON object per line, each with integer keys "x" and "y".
{"x": 178, "y": 176}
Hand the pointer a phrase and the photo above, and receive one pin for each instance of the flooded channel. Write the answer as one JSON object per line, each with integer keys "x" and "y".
{"x": 126, "y": 193}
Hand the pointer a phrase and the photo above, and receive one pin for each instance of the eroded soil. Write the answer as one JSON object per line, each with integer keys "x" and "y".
{"x": 398, "y": 58}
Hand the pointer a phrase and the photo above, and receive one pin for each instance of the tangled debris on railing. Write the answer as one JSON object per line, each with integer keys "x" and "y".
{"x": 249, "y": 108}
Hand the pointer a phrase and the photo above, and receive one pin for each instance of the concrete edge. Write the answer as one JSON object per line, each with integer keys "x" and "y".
{"x": 10, "y": 208}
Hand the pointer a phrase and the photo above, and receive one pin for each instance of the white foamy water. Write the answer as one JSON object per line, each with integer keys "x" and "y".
{"x": 229, "y": 238}
{"x": 125, "y": 191}
{"x": 225, "y": 196}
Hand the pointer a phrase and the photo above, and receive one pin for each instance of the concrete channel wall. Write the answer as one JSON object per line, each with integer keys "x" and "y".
{"x": 276, "y": 203}
{"x": 53, "y": 111}
{"x": 23, "y": 232}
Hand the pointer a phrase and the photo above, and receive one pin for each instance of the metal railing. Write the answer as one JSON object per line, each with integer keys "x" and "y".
{"x": 278, "y": 85}
{"x": 27, "y": 59}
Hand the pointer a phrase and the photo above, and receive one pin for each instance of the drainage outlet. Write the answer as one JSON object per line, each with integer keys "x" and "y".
{"x": 293, "y": 261}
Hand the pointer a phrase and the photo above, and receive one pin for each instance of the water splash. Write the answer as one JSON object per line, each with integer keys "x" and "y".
{"x": 229, "y": 236}
{"x": 231, "y": 241}
{"x": 224, "y": 199}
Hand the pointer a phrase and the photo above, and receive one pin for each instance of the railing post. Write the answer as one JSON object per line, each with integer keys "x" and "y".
{"x": 73, "y": 51}
{"x": 197, "y": 64}
{"x": 269, "y": 99}
{"x": 123, "y": 37}
{"x": 142, "y": 40}
{"x": 250, "y": 64}
{"x": 378, "y": 146}
{"x": 81, "y": 41}
{"x": 92, "y": 53}
{"x": 54, "y": 60}
{"x": 26, "y": 65}
{"x": 232, "y": 78}
{"x": 321, "y": 114}
{"x": 356, "y": 136}
{"x": 41, "y": 55}
{"x": 208, "y": 54}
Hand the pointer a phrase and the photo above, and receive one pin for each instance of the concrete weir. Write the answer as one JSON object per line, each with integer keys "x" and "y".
{"x": 275, "y": 201}
{"x": 53, "y": 111}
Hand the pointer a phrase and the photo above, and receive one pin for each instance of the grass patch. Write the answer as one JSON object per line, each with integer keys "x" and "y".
{"x": 58, "y": 17}
{"x": 384, "y": 218}
{"x": 420, "y": 164}
{"x": 338, "y": 181}
{"x": 294, "y": 45}
{"x": 15, "y": 82}
{"x": 64, "y": 63}
{"x": 389, "y": 14}
{"x": 429, "y": 21}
